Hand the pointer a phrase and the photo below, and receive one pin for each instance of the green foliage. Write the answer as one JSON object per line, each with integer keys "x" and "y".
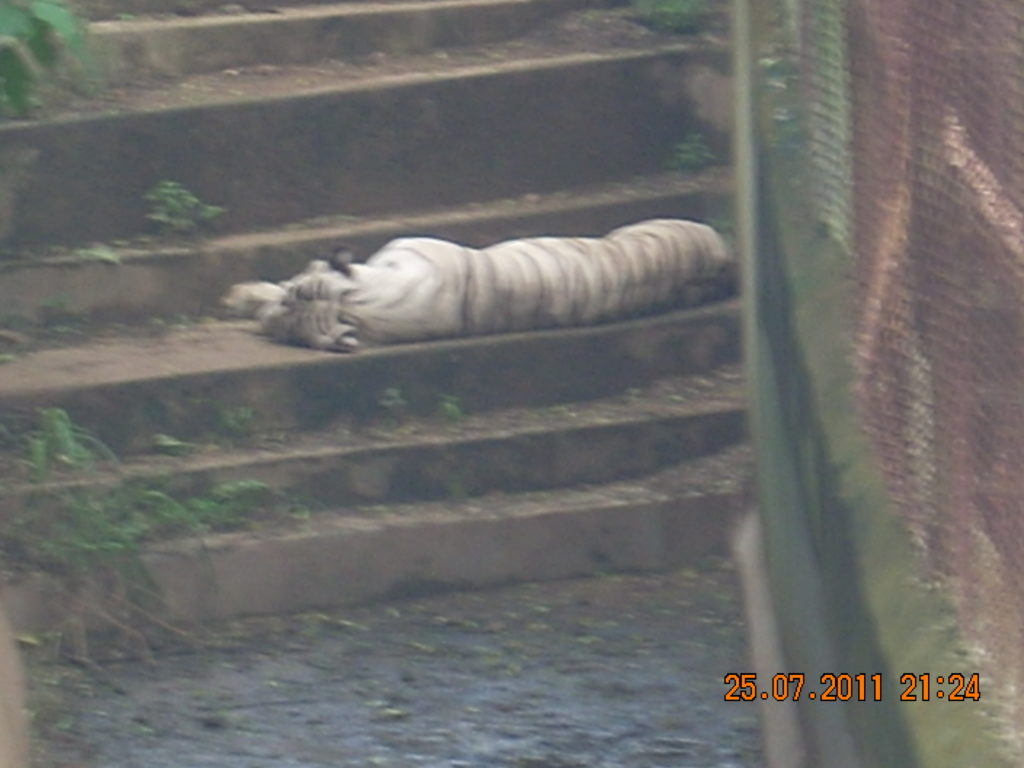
{"x": 393, "y": 404}
{"x": 450, "y": 408}
{"x": 391, "y": 399}
{"x": 32, "y": 35}
{"x": 98, "y": 530}
{"x": 104, "y": 527}
{"x": 58, "y": 442}
{"x": 103, "y": 522}
{"x": 176, "y": 210}
{"x": 691, "y": 154}
{"x": 681, "y": 17}
{"x": 237, "y": 423}
{"x": 225, "y": 506}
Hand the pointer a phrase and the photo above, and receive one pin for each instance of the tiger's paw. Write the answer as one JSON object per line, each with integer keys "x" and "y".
{"x": 252, "y": 299}
{"x": 341, "y": 338}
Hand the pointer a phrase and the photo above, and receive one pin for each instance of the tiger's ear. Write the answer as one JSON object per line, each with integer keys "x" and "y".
{"x": 341, "y": 259}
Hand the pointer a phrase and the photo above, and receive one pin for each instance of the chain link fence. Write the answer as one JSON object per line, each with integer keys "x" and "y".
{"x": 888, "y": 346}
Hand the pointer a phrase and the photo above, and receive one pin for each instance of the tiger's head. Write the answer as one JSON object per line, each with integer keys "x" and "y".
{"x": 259, "y": 298}
{"x": 305, "y": 309}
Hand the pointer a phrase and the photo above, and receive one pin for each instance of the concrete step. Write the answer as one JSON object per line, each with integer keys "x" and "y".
{"x": 131, "y": 50}
{"x": 668, "y": 520}
{"x": 170, "y": 10}
{"x": 188, "y": 280}
{"x": 287, "y": 147}
{"x": 126, "y": 389}
{"x": 673, "y": 420}
{"x": 553, "y": 129}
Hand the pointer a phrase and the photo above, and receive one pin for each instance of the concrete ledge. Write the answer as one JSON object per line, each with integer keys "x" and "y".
{"x": 184, "y": 386}
{"x": 190, "y": 280}
{"x": 345, "y": 560}
{"x": 391, "y": 144}
{"x": 130, "y": 50}
{"x": 432, "y": 468}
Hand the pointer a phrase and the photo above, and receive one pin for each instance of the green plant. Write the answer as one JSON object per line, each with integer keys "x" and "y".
{"x": 226, "y": 505}
{"x": 682, "y": 17}
{"x": 176, "y": 210}
{"x": 691, "y": 154}
{"x": 59, "y": 442}
{"x": 393, "y": 404}
{"x": 32, "y": 35}
{"x": 450, "y": 408}
{"x": 98, "y": 532}
{"x": 106, "y": 527}
{"x": 237, "y": 423}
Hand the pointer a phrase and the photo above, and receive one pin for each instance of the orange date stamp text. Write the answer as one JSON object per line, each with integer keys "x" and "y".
{"x": 793, "y": 686}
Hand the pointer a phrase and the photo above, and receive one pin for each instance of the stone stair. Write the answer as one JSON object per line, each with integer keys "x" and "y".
{"x": 128, "y": 50}
{"x": 561, "y": 452}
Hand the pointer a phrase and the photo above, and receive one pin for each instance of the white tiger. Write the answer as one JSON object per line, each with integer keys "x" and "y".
{"x": 423, "y": 288}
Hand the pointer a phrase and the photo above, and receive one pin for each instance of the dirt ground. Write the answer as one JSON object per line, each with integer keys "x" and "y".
{"x": 622, "y": 671}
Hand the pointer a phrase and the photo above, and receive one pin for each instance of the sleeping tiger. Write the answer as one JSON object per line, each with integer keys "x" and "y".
{"x": 422, "y": 288}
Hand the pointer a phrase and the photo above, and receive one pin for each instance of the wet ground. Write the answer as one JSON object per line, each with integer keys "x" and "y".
{"x": 617, "y": 671}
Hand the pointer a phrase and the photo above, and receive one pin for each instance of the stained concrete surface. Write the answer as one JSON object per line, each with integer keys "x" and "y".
{"x": 617, "y": 671}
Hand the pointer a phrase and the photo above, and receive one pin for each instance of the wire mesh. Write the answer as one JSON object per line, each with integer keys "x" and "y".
{"x": 939, "y": 242}
{"x": 931, "y": 144}
{"x": 889, "y": 232}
